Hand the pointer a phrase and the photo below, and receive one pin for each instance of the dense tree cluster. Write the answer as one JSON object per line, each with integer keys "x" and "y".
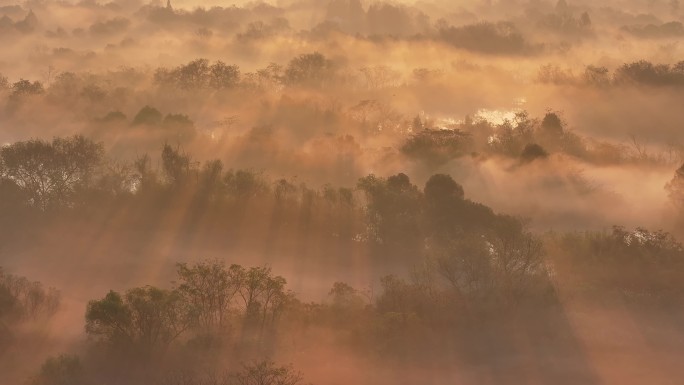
{"x": 306, "y": 70}
{"x": 69, "y": 370}
{"x": 142, "y": 321}
{"x": 21, "y": 301}
{"x": 524, "y": 138}
{"x": 199, "y": 74}
{"x": 437, "y": 145}
{"x": 641, "y": 73}
{"x": 393, "y": 269}
{"x": 566, "y": 23}
{"x": 208, "y": 298}
{"x": 470, "y": 265}
{"x": 640, "y": 267}
{"x": 490, "y": 38}
{"x": 655, "y": 31}
{"x": 61, "y": 370}
{"x": 49, "y": 174}
{"x": 392, "y": 215}
{"x": 647, "y": 73}
{"x": 421, "y": 138}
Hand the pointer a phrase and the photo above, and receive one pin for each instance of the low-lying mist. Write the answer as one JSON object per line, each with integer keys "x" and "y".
{"x": 341, "y": 191}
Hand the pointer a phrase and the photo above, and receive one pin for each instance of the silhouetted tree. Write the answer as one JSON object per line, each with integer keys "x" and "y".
{"x": 209, "y": 288}
{"x": 199, "y": 74}
{"x": 253, "y": 284}
{"x": 25, "y": 88}
{"x": 552, "y": 124}
{"x": 646, "y": 73}
{"x": 508, "y": 139}
{"x": 532, "y": 152}
{"x": 517, "y": 258}
{"x": 211, "y": 183}
{"x": 465, "y": 265}
{"x": 24, "y": 300}
{"x": 312, "y": 69}
{"x": 114, "y": 116}
{"x": 672, "y": 29}
{"x": 61, "y": 370}
{"x": 51, "y": 173}
{"x": 143, "y": 321}
{"x": 179, "y": 126}
{"x": 176, "y": 165}
{"x": 555, "y": 75}
{"x": 193, "y": 74}
{"x": 4, "y": 83}
{"x": 500, "y": 38}
{"x": 223, "y": 76}
{"x": 245, "y": 184}
{"x": 149, "y": 116}
{"x": 598, "y": 76}
{"x": 443, "y": 205}
{"x": 147, "y": 180}
{"x": 437, "y": 146}
{"x": 393, "y": 212}
{"x": 344, "y": 296}
{"x": 675, "y": 189}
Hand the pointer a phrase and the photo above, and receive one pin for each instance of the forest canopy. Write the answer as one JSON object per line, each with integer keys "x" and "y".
{"x": 341, "y": 192}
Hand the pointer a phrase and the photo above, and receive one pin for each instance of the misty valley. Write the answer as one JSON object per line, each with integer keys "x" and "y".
{"x": 341, "y": 192}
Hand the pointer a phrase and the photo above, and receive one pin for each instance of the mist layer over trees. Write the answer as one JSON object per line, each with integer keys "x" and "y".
{"x": 341, "y": 192}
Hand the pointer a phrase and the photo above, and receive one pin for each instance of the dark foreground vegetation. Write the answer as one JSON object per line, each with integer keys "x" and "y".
{"x": 367, "y": 192}
{"x": 459, "y": 280}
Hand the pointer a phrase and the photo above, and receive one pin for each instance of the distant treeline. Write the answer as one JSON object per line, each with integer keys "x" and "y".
{"x": 641, "y": 72}
{"x": 315, "y": 71}
{"x": 424, "y": 139}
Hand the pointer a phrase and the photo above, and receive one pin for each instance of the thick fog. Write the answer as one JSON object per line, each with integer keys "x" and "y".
{"x": 341, "y": 192}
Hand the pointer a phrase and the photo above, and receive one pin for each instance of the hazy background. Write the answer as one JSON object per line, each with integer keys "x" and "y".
{"x": 324, "y": 93}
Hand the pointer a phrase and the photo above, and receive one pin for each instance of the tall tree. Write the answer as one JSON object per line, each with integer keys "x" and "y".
{"x": 209, "y": 287}
{"x": 52, "y": 173}
{"x": 145, "y": 320}
{"x": 675, "y": 190}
